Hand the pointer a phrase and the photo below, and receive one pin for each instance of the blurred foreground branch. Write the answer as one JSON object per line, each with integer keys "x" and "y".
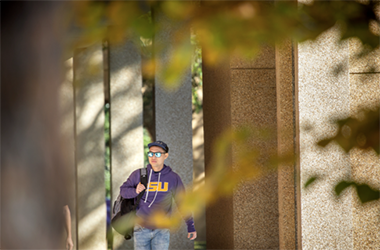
{"x": 223, "y": 28}
{"x": 361, "y": 131}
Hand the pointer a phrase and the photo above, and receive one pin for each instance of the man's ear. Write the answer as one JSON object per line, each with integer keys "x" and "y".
{"x": 166, "y": 155}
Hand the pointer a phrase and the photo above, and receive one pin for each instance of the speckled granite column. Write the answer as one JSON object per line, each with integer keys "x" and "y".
{"x": 126, "y": 119}
{"x": 173, "y": 119}
{"x": 89, "y": 103}
{"x": 327, "y": 221}
{"x": 66, "y": 95}
{"x": 250, "y": 218}
{"x": 365, "y": 93}
{"x": 253, "y": 102}
{"x": 286, "y": 136}
{"x": 217, "y": 118}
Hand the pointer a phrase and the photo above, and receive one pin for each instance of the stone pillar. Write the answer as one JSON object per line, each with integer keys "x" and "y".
{"x": 217, "y": 118}
{"x": 326, "y": 220}
{"x": 67, "y": 109}
{"x": 364, "y": 76}
{"x": 253, "y": 102}
{"x": 127, "y": 149}
{"x": 89, "y": 115}
{"x": 174, "y": 116}
{"x": 287, "y": 146}
{"x": 243, "y": 92}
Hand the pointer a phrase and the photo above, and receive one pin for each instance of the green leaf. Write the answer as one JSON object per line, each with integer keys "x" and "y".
{"x": 366, "y": 193}
{"x": 342, "y": 186}
{"x": 310, "y": 181}
{"x": 324, "y": 142}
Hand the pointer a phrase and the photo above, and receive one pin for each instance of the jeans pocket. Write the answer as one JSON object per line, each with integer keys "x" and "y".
{"x": 137, "y": 228}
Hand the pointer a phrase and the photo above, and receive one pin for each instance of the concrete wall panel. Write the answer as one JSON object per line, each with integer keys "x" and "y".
{"x": 217, "y": 118}
{"x": 89, "y": 97}
{"x": 253, "y": 102}
{"x": 365, "y": 93}
{"x": 67, "y": 105}
{"x": 126, "y": 119}
{"x": 326, "y": 220}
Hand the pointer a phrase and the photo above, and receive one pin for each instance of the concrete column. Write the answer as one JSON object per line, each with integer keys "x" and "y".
{"x": 217, "y": 118}
{"x": 174, "y": 116}
{"x": 287, "y": 146}
{"x": 89, "y": 114}
{"x": 127, "y": 149}
{"x": 67, "y": 109}
{"x": 236, "y": 94}
{"x": 327, "y": 222}
{"x": 253, "y": 102}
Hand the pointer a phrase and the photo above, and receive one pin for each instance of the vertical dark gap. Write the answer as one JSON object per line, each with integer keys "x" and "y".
{"x": 297, "y": 169}
{"x": 154, "y": 83}
{"x": 149, "y": 123}
{"x": 75, "y": 62}
{"x": 294, "y": 149}
{"x": 107, "y": 138}
{"x": 148, "y": 90}
{"x": 154, "y": 111}
{"x": 107, "y": 142}
{"x": 106, "y": 75}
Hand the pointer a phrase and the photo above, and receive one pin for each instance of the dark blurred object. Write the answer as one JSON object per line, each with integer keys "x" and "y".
{"x": 362, "y": 132}
{"x": 364, "y": 191}
{"x": 33, "y": 176}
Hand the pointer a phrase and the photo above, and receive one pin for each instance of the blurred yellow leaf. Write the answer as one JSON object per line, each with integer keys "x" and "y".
{"x": 179, "y": 10}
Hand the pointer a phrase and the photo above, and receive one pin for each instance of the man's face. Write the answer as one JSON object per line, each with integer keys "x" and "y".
{"x": 157, "y": 162}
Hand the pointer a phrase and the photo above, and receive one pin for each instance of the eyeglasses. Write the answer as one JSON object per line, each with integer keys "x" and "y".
{"x": 157, "y": 154}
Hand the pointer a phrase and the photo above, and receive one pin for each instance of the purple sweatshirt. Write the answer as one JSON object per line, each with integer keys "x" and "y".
{"x": 163, "y": 186}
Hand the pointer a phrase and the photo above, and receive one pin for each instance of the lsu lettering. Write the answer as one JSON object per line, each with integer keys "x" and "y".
{"x": 162, "y": 186}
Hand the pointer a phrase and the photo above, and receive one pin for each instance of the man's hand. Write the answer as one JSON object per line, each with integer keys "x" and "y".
{"x": 69, "y": 243}
{"x": 192, "y": 235}
{"x": 140, "y": 187}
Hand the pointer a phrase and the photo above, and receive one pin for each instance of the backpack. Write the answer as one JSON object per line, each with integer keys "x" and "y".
{"x": 124, "y": 210}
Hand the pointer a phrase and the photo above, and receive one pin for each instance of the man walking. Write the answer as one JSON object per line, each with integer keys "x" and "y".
{"x": 163, "y": 185}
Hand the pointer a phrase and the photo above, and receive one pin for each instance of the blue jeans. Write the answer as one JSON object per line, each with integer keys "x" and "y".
{"x": 151, "y": 239}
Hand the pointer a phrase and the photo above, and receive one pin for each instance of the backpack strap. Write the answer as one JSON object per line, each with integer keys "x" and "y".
{"x": 144, "y": 181}
{"x": 143, "y": 177}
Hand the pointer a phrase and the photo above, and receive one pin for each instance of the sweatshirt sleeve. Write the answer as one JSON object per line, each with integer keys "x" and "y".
{"x": 188, "y": 219}
{"x": 128, "y": 189}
